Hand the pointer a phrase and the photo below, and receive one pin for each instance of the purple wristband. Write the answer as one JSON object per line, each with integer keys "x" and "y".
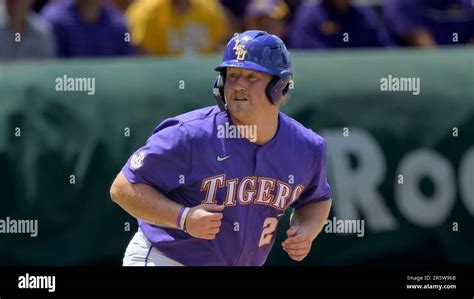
{"x": 179, "y": 217}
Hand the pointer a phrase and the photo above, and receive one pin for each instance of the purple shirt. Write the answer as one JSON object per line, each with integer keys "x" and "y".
{"x": 76, "y": 38}
{"x": 321, "y": 26}
{"x": 442, "y": 18}
{"x": 256, "y": 183}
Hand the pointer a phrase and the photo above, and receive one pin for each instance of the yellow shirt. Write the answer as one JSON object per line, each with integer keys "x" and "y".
{"x": 158, "y": 28}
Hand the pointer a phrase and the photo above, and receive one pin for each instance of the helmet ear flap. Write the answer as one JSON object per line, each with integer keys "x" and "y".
{"x": 220, "y": 80}
{"x": 278, "y": 88}
{"x": 270, "y": 90}
{"x": 218, "y": 91}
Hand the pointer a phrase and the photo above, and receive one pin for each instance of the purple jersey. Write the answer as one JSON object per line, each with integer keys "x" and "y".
{"x": 190, "y": 163}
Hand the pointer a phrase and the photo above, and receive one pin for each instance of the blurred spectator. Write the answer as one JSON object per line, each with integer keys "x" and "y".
{"x": 427, "y": 23}
{"x": 235, "y": 12}
{"x": 87, "y": 28}
{"x": 337, "y": 24}
{"x": 121, "y": 5}
{"x": 23, "y": 34}
{"x": 236, "y": 7}
{"x": 177, "y": 27}
{"x": 38, "y": 4}
{"x": 293, "y": 6}
{"x": 267, "y": 15}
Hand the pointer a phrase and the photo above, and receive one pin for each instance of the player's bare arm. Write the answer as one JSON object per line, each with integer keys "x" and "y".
{"x": 145, "y": 202}
{"x": 306, "y": 223}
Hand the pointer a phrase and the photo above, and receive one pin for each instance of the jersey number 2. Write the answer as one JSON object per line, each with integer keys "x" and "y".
{"x": 269, "y": 227}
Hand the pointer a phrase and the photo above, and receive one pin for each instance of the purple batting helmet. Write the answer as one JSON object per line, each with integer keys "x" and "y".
{"x": 258, "y": 51}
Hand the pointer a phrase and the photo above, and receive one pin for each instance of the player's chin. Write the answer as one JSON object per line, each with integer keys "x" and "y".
{"x": 239, "y": 112}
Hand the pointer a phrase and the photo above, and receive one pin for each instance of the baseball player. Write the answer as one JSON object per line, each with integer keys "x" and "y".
{"x": 203, "y": 198}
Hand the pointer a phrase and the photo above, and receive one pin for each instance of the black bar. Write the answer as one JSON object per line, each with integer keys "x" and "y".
{"x": 291, "y": 282}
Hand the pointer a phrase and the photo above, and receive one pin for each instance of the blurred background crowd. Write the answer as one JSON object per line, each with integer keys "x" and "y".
{"x": 35, "y": 29}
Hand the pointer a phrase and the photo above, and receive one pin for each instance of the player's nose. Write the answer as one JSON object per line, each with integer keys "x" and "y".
{"x": 241, "y": 84}
{"x": 240, "y": 89}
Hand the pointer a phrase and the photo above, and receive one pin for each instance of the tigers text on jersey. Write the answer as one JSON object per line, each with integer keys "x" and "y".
{"x": 186, "y": 161}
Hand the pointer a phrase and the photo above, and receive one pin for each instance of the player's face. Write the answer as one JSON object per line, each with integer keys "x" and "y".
{"x": 245, "y": 94}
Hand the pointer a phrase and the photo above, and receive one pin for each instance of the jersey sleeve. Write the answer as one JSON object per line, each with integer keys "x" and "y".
{"x": 318, "y": 188}
{"x": 164, "y": 160}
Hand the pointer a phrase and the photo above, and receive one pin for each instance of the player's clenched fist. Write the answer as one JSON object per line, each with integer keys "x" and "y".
{"x": 204, "y": 221}
{"x": 298, "y": 243}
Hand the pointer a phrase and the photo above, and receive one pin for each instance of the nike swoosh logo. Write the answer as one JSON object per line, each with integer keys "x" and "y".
{"x": 223, "y": 158}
